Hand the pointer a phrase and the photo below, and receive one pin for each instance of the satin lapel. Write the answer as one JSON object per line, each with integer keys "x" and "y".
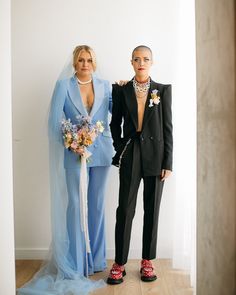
{"x": 149, "y": 110}
{"x": 75, "y": 96}
{"x": 99, "y": 95}
{"x": 131, "y": 102}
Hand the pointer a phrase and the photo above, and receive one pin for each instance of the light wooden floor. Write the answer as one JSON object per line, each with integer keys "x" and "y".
{"x": 169, "y": 282}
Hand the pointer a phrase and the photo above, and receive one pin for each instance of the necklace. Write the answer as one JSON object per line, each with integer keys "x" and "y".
{"x": 142, "y": 96}
{"x": 141, "y": 87}
{"x": 84, "y": 83}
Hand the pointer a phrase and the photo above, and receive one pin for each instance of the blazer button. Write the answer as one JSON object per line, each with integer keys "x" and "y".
{"x": 151, "y": 137}
{"x": 95, "y": 145}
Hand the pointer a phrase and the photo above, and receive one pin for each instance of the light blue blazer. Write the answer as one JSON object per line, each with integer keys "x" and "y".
{"x": 102, "y": 148}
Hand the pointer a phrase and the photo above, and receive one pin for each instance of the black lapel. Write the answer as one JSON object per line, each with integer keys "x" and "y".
{"x": 149, "y": 110}
{"x": 131, "y": 102}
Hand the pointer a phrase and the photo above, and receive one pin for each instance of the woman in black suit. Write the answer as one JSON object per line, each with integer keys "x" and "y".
{"x": 142, "y": 113}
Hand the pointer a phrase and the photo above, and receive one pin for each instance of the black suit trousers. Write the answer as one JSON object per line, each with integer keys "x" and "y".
{"x": 131, "y": 175}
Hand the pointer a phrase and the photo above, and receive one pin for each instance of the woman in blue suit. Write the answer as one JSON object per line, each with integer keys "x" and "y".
{"x": 88, "y": 96}
{"x": 70, "y": 263}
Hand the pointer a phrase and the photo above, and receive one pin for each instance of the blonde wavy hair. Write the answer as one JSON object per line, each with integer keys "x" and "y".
{"x": 77, "y": 51}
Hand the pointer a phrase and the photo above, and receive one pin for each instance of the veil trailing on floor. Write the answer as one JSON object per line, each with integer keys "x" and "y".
{"x": 58, "y": 274}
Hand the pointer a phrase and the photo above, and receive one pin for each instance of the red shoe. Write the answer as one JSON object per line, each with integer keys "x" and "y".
{"x": 116, "y": 275}
{"x": 147, "y": 271}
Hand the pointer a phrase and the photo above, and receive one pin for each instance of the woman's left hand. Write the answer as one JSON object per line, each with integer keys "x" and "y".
{"x": 122, "y": 82}
{"x": 165, "y": 174}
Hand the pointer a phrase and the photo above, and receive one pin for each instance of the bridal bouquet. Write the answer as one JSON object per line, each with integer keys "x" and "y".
{"x": 79, "y": 136}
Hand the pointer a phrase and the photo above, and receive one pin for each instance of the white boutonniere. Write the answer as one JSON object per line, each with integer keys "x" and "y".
{"x": 155, "y": 98}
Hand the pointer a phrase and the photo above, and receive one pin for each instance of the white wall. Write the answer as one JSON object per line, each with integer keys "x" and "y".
{"x": 44, "y": 34}
{"x": 7, "y": 270}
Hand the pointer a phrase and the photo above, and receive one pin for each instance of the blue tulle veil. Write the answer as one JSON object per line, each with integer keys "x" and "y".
{"x": 58, "y": 275}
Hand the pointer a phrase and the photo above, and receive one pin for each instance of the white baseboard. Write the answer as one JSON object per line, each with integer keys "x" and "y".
{"x": 42, "y": 253}
{"x": 31, "y": 253}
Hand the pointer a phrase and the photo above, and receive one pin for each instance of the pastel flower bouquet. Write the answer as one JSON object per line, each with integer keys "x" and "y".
{"x": 77, "y": 137}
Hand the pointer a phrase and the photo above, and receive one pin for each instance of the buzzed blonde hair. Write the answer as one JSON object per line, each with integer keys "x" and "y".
{"x": 77, "y": 51}
{"x": 140, "y": 47}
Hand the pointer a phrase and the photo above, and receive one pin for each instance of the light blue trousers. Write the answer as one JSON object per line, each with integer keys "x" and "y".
{"x": 97, "y": 177}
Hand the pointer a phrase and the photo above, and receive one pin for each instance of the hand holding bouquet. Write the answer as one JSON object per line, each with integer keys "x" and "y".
{"x": 77, "y": 137}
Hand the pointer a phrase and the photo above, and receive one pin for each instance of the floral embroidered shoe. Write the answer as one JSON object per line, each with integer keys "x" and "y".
{"x": 147, "y": 271}
{"x": 116, "y": 275}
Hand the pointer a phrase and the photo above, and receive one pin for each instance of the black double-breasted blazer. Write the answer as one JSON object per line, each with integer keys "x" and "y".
{"x": 156, "y": 138}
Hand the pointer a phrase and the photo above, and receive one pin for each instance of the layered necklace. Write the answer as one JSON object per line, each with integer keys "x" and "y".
{"x": 141, "y": 87}
{"x": 85, "y": 82}
{"x": 141, "y": 90}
